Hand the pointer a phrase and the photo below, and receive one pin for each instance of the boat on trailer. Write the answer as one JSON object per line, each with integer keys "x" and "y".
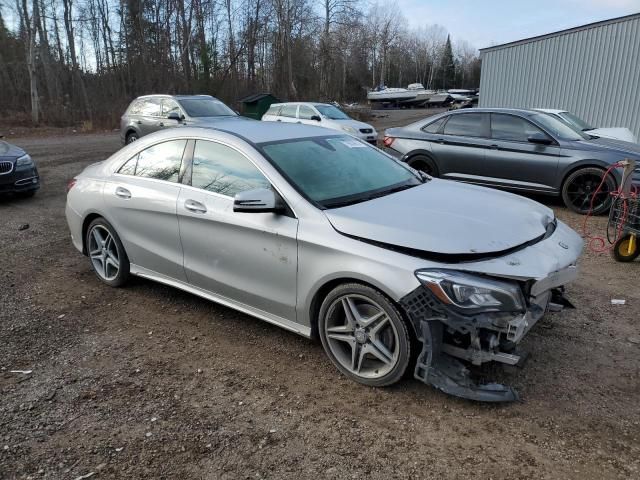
{"x": 414, "y": 94}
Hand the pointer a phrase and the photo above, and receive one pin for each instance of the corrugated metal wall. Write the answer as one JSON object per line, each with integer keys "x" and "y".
{"x": 594, "y": 73}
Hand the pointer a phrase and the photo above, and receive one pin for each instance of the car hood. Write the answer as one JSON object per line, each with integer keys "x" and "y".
{"x": 624, "y": 148}
{"x": 8, "y": 150}
{"x": 623, "y": 134}
{"x": 446, "y": 217}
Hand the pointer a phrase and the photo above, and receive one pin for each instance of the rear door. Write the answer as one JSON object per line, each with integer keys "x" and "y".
{"x": 512, "y": 161}
{"x": 288, "y": 113}
{"x": 250, "y": 258}
{"x": 461, "y": 145}
{"x": 141, "y": 200}
{"x": 150, "y": 116}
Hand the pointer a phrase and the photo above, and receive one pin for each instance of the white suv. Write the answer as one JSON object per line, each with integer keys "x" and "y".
{"x": 322, "y": 115}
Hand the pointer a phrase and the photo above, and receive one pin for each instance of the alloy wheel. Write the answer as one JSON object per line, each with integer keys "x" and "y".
{"x": 361, "y": 336}
{"x": 582, "y": 190}
{"x": 103, "y": 252}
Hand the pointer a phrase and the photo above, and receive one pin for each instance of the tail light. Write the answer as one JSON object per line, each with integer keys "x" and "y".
{"x": 71, "y": 183}
{"x": 388, "y": 141}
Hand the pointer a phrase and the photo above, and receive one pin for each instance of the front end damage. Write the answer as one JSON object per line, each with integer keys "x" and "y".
{"x": 453, "y": 339}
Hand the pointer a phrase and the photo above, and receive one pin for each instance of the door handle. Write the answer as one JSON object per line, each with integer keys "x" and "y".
{"x": 493, "y": 147}
{"x": 278, "y": 120}
{"x": 139, "y": 122}
{"x": 440, "y": 141}
{"x": 161, "y": 124}
{"x": 123, "y": 193}
{"x": 194, "y": 206}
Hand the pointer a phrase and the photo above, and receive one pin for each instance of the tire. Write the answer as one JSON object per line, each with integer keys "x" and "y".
{"x": 106, "y": 253}
{"x": 620, "y": 250}
{"x": 131, "y": 137}
{"x": 578, "y": 189}
{"x": 373, "y": 345}
{"x": 424, "y": 164}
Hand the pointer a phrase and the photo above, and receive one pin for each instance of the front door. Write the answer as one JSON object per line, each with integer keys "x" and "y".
{"x": 514, "y": 162}
{"x": 250, "y": 258}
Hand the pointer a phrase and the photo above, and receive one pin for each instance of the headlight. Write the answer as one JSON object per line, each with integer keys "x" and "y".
{"x": 471, "y": 292}
{"x": 348, "y": 129}
{"x": 24, "y": 161}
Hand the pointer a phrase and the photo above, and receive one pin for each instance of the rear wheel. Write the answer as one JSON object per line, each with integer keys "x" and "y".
{"x": 424, "y": 164}
{"x": 626, "y": 248}
{"x": 364, "y": 335}
{"x": 108, "y": 258}
{"x": 579, "y": 191}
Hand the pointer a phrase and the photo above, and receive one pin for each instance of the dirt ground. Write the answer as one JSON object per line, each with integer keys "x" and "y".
{"x": 150, "y": 382}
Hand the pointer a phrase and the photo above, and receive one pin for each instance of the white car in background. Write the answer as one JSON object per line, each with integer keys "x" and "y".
{"x": 575, "y": 122}
{"x": 322, "y": 115}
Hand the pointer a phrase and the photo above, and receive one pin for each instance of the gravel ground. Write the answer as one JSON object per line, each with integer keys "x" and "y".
{"x": 150, "y": 382}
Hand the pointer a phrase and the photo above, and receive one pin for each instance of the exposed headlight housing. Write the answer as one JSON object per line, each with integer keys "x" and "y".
{"x": 349, "y": 129}
{"x": 24, "y": 161}
{"x": 472, "y": 293}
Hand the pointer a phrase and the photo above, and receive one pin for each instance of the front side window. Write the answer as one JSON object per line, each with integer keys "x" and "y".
{"x": 510, "y": 127}
{"x": 331, "y": 112}
{"x": 558, "y": 128}
{"x": 170, "y": 106}
{"x": 206, "y": 107}
{"x": 305, "y": 113}
{"x": 465, "y": 124}
{"x": 289, "y": 111}
{"x": 221, "y": 169}
{"x": 161, "y": 161}
{"x": 338, "y": 170}
{"x": 151, "y": 108}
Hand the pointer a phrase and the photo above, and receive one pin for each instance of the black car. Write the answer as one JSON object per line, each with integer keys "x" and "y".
{"x": 18, "y": 172}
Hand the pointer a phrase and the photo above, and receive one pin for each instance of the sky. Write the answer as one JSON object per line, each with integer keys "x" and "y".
{"x": 491, "y": 22}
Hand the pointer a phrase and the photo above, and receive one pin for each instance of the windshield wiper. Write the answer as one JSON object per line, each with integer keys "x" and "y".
{"x": 365, "y": 198}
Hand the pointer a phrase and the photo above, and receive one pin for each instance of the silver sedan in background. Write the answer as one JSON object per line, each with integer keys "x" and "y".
{"x": 326, "y": 236}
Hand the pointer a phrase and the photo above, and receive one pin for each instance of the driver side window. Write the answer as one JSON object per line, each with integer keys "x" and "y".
{"x": 512, "y": 128}
{"x": 170, "y": 106}
{"x": 305, "y": 113}
{"x": 221, "y": 169}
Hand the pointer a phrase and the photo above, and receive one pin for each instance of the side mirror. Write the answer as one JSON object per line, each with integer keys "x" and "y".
{"x": 539, "y": 138}
{"x": 259, "y": 200}
{"x": 316, "y": 118}
{"x": 174, "y": 116}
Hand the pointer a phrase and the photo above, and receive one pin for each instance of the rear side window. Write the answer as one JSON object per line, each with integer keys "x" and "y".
{"x": 289, "y": 111}
{"x": 274, "y": 110}
{"x": 510, "y": 127}
{"x": 465, "y": 124}
{"x": 162, "y": 162}
{"x": 221, "y": 169}
{"x": 434, "y": 127}
{"x": 150, "y": 108}
{"x": 136, "y": 107}
{"x": 305, "y": 113}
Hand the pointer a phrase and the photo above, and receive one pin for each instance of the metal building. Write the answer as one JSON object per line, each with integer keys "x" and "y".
{"x": 592, "y": 71}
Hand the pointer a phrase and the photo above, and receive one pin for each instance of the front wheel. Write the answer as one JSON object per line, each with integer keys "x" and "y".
{"x": 424, "y": 164}
{"x": 108, "y": 258}
{"x": 579, "y": 191}
{"x": 364, "y": 335}
{"x": 131, "y": 137}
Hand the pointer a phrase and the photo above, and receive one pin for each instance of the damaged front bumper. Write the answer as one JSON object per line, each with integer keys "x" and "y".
{"x": 452, "y": 340}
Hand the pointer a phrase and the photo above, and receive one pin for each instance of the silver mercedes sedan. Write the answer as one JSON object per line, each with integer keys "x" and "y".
{"x": 329, "y": 237}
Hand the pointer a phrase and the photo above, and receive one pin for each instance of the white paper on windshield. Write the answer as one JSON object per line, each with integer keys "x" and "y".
{"x": 353, "y": 144}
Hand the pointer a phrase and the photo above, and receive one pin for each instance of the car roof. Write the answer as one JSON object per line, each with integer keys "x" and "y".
{"x": 300, "y": 103}
{"x": 550, "y": 110}
{"x": 165, "y": 95}
{"x": 520, "y": 111}
{"x": 255, "y": 131}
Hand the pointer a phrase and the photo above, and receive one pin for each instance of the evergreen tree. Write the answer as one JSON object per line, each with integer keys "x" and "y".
{"x": 447, "y": 66}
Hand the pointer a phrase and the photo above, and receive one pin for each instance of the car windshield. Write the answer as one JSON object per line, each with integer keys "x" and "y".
{"x": 575, "y": 121}
{"x": 331, "y": 112}
{"x": 558, "y": 128}
{"x": 205, "y": 107}
{"x": 338, "y": 170}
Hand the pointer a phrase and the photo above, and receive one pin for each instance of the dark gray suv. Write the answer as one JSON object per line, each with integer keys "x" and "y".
{"x": 520, "y": 150}
{"x": 151, "y": 113}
